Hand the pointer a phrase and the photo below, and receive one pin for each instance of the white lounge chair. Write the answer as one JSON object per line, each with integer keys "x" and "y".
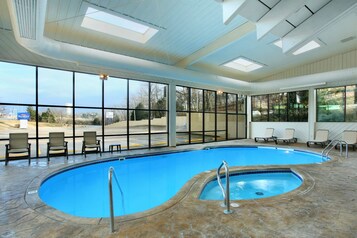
{"x": 18, "y": 147}
{"x": 57, "y": 145}
{"x": 90, "y": 143}
{"x": 269, "y": 135}
{"x": 288, "y": 136}
{"x": 321, "y": 138}
{"x": 350, "y": 137}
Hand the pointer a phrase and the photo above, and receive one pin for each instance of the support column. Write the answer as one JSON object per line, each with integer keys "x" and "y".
{"x": 249, "y": 117}
{"x": 172, "y": 114}
{"x": 312, "y": 114}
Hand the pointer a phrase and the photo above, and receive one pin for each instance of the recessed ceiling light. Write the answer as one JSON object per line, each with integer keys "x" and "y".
{"x": 243, "y": 64}
{"x": 117, "y": 26}
{"x": 309, "y": 46}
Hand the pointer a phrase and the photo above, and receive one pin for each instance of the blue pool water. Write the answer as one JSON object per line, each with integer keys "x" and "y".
{"x": 144, "y": 183}
{"x": 255, "y": 185}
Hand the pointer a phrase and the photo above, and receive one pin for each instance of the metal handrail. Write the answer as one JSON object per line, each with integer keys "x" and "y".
{"x": 111, "y": 205}
{"x": 225, "y": 193}
{"x": 341, "y": 148}
{"x": 333, "y": 143}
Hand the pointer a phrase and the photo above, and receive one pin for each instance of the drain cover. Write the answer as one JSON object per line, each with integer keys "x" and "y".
{"x": 259, "y": 193}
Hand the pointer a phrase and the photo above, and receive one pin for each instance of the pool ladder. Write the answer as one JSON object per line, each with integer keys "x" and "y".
{"x": 111, "y": 171}
{"x": 332, "y": 144}
{"x": 226, "y": 195}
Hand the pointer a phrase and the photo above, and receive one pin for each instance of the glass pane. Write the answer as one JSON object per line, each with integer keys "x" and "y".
{"x": 115, "y": 92}
{"x": 260, "y": 108}
{"x": 221, "y": 102}
{"x": 210, "y": 101}
{"x": 78, "y": 144}
{"x": 241, "y": 127}
{"x": 10, "y": 123}
{"x": 182, "y": 121}
{"x": 181, "y": 98}
{"x": 221, "y": 121}
{"x": 55, "y": 119}
{"x": 114, "y": 140}
{"x": 351, "y": 103}
{"x": 197, "y": 137}
{"x": 232, "y": 126}
{"x": 158, "y": 121}
{"x": 138, "y": 94}
{"x": 88, "y": 90}
{"x": 196, "y": 121}
{"x": 241, "y": 103}
{"x": 18, "y": 83}
{"x": 196, "y": 100}
{"x": 182, "y": 138}
{"x": 330, "y": 104}
{"x": 115, "y": 122}
{"x": 138, "y": 141}
{"x": 221, "y": 135}
{"x": 139, "y": 121}
{"x": 210, "y": 136}
{"x": 298, "y": 106}
{"x": 52, "y": 81}
{"x": 2, "y": 147}
{"x": 158, "y": 140}
{"x": 33, "y": 148}
{"x": 158, "y": 96}
{"x": 88, "y": 120}
{"x": 210, "y": 121}
{"x": 232, "y": 103}
{"x": 278, "y": 107}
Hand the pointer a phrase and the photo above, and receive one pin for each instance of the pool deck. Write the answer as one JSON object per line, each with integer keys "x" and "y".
{"x": 325, "y": 206}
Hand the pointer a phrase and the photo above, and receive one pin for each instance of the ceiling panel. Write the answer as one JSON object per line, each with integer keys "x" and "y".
{"x": 301, "y": 15}
{"x": 270, "y": 3}
{"x": 315, "y": 5}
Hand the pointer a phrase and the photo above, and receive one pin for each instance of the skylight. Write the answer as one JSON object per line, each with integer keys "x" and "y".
{"x": 309, "y": 46}
{"x": 243, "y": 64}
{"x": 117, "y": 26}
{"x": 279, "y": 43}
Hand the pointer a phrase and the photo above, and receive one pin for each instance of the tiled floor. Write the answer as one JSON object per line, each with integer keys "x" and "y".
{"x": 326, "y": 206}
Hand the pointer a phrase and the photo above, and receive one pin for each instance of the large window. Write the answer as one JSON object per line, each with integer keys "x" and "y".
{"x": 18, "y": 83}
{"x": 351, "y": 103}
{"x": 337, "y": 104}
{"x": 182, "y": 115}
{"x": 281, "y": 107}
{"x": 130, "y": 112}
{"x": 205, "y": 116}
{"x": 260, "y": 108}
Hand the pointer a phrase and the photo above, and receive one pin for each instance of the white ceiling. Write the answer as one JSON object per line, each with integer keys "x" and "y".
{"x": 192, "y": 34}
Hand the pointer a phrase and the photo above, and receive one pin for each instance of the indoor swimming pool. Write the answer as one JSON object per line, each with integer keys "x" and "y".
{"x": 145, "y": 182}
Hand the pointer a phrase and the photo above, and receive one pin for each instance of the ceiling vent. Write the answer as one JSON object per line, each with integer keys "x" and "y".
{"x": 26, "y": 18}
{"x": 348, "y": 39}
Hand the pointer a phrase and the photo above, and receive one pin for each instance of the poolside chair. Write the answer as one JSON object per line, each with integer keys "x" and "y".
{"x": 321, "y": 138}
{"x": 267, "y": 136}
{"x": 56, "y": 145}
{"x": 18, "y": 147}
{"x": 90, "y": 143}
{"x": 288, "y": 136}
{"x": 350, "y": 137}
